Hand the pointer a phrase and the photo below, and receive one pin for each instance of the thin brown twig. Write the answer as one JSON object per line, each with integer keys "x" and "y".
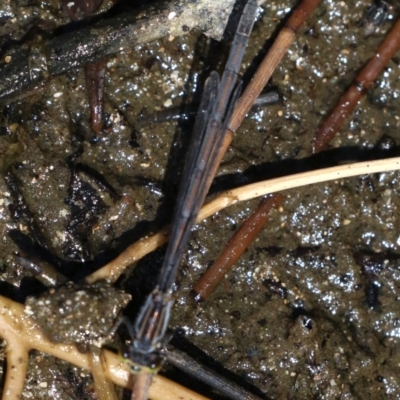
{"x": 242, "y": 238}
{"x": 361, "y": 84}
{"x": 141, "y": 385}
{"x": 274, "y": 56}
{"x": 95, "y": 78}
{"x": 264, "y": 72}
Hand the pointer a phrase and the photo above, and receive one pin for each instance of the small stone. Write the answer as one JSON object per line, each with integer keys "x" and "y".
{"x": 168, "y": 103}
{"x": 171, "y": 15}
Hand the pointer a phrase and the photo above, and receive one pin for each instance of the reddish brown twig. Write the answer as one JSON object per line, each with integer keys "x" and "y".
{"x": 236, "y": 246}
{"x": 361, "y": 84}
{"x": 142, "y": 382}
{"x": 95, "y": 76}
{"x": 274, "y": 56}
{"x": 271, "y": 60}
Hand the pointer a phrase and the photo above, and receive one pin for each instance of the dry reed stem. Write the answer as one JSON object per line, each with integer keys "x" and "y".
{"x": 264, "y": 72}
{"x": 274, "y": 56}
{"x": 22, "y": 335}
{"x": 146, "y": 245}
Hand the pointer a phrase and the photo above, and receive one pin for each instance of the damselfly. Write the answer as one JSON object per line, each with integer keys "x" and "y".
{"x": 218, "y": 100}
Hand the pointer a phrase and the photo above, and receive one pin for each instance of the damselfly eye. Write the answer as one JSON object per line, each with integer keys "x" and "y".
{"x": 135, "y": 368}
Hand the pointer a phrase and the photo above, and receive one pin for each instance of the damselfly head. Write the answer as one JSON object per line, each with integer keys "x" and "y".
{"x": 140, "y": 361}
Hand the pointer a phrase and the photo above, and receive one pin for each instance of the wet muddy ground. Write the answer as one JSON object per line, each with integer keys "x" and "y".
{"x": 312, "y": 309}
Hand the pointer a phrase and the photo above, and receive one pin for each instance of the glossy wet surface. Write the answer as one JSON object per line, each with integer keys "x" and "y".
{"x": 312, "y": 308}
{"x": 77, "y": 313}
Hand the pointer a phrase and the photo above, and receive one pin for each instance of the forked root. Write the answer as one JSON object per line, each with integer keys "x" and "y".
{"x": 22, "y": 335}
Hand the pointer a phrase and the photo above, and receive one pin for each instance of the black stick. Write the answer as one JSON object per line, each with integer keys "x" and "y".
{"x": 30, "y": 65}
{"x": 204, "y": 374}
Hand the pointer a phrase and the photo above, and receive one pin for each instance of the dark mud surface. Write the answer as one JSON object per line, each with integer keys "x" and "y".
{"x": 312, "y": 309}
